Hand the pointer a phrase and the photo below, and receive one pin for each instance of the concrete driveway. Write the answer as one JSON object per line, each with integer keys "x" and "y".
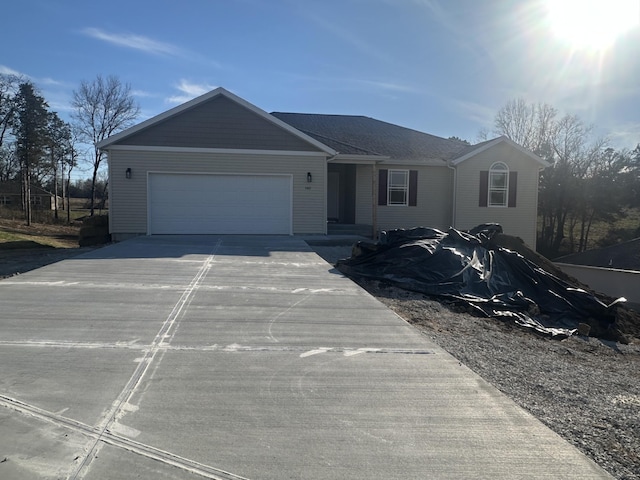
{"x": 241, "y": 357}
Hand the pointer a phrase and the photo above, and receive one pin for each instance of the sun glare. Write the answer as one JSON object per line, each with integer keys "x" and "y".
{"x": 592, "y": 24}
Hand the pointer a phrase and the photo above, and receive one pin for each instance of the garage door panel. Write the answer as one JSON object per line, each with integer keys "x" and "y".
{"x": 219, "y": 204}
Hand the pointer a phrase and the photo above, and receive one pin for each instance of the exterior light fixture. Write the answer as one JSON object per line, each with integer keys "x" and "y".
{"x": 127, "y": 173}
{"x": 309, "y": 177}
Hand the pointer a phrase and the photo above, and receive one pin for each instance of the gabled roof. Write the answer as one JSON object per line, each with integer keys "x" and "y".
{"x": 474, "y": 150}
{"x": 624, "y": 256}
{"x": 14, "y": 187}
{"x": 205, "y": 98}
{"x": 359, "y": 135}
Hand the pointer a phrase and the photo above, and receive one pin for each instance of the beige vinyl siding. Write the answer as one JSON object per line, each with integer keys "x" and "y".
{"x": 433, "y": 207}
{"x": 434, "y": 202}
{"x": 128, "y": 197}
{"x": 218, "y": 123}
{"x": 364, "y": 198}
{"x": 519, "y": 221}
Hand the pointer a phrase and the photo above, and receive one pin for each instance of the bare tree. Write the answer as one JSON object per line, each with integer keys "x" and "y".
{"x": 529, "y": 125}
{"x": 9, "y": 163}
{"x": 567, "y": 144}
{"x": 9, "y": 86}
{"x": 70, "y": 161}
{"x": 102, "y": 107}
{"x": 58, "y": 135}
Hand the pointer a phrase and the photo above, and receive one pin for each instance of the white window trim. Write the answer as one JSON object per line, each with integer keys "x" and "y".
{"x": 405, "y": 188}
{"x": 496, "y": 170}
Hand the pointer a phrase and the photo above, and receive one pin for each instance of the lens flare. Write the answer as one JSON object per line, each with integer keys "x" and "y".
{"x": 592, "y": 24}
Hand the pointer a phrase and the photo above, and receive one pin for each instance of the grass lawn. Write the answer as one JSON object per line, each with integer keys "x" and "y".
{"x": 15, "y": 235}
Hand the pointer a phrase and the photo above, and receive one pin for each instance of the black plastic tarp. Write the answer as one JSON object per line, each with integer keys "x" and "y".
{"x": 496, "y": 281}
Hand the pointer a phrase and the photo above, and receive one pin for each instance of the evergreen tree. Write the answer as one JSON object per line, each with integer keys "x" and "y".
{"x": 30, "y": 131}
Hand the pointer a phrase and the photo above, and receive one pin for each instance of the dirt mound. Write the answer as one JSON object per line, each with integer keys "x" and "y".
{"x": 495, "y": 274}
{"x": 627, "y": 320}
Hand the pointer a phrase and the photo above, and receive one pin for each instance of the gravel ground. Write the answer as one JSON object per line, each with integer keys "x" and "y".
{"x": 587, "y": 390}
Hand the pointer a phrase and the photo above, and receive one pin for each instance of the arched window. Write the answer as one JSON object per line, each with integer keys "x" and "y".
{"x": 498, "y": 185}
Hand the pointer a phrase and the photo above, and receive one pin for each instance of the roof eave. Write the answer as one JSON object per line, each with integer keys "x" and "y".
{"x": 496, "y": 141}
{"x": 359, "y": 159}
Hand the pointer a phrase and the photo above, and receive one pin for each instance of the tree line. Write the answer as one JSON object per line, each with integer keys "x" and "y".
{"x": 39, "y": 149}
{"x": 588, "y": 180}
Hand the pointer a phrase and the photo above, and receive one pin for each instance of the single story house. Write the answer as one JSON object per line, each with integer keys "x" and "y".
{"x": 11, "y": 196}
{"x": 621, "y": 256}
{"x": 220, "y": 165}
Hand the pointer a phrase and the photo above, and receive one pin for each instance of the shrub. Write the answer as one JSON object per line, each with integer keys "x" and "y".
{"x": 94, "y": 231}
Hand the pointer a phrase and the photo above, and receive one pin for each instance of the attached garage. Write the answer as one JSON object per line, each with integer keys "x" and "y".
{"x": 216, "y": 165}
{"x": 185, "y": 203}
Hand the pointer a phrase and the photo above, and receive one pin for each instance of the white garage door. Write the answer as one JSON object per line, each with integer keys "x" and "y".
{"x": 219, "y": 204}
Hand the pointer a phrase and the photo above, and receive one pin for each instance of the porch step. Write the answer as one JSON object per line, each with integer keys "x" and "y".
{"x": 349, "y": 229}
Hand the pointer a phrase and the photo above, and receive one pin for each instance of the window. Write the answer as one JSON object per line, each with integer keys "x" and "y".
{"x": 498, "y": 185}
{"x": 398, "y": 187}
{"x": 5, "y": 200}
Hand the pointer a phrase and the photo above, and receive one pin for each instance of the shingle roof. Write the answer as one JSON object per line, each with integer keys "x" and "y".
{"x": 15, "y": 188}
{"x": 470, "y": 148}
{"x": 359, "y": 135}
{"x": 624, "y": 256}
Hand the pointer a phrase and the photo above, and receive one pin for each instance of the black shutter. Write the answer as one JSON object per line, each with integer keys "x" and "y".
{"x": 484, "y": 188}
{"x": 383, "y": 176}
{"x": 513, "y": 188}
{"x": 413, "y": 188}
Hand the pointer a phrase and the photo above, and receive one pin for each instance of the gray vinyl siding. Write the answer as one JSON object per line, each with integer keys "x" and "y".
{"x": 518, "y": 221}
{"x": 434, "y": 200}
{"x": 218, "y": 123}
{"x": 128, "y": 197}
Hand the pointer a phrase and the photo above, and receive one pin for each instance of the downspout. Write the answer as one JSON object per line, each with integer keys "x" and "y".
{"x": 535, "y": 221}
{"x": 455, "y": 195}
{"x": 109, "y": 187}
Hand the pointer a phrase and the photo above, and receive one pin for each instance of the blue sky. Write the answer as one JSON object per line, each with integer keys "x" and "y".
{"x": 443, "y": 67}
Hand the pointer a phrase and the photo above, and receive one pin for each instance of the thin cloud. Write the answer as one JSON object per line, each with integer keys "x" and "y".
{"x": 189, "y": 90}
{"x": 4, "y": 70}
{"x": 40, "y": 82}
{"x": 388, "y": 86}
{"x": 143, "y": 94}
{"x": 135, "y": 42}
{"x": 348, "y": 83}
{"x": 625, "y": 135}
{"x": 476, "y": 112}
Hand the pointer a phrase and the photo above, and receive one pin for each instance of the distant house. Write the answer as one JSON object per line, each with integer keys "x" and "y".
{"x": 622, "y": 256}
{"x": 220, "y": 165}
{"x": 11, "y": 196}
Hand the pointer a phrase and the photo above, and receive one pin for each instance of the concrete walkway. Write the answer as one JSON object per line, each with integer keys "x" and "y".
{"x": 241, "y": 357}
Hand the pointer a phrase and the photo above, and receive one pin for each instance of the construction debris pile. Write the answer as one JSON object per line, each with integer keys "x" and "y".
{"x": 499, "y": 282}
